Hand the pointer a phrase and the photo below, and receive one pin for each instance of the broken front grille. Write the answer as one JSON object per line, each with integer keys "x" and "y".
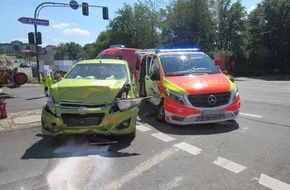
{"x": 79, "y": 105}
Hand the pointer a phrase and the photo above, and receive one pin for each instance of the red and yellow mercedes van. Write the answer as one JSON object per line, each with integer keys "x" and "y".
{"x": 187, "y": 87}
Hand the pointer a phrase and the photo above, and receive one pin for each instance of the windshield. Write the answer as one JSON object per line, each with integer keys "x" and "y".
{"x": 185, "y": 64}
{"x": 106, "y": 56}
{"x": 98, "y": 71}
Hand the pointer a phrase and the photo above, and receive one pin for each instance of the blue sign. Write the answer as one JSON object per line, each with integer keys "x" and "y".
{"x": 34, "y": 21}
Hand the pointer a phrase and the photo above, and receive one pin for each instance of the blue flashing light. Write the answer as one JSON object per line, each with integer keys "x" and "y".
{"x": 177, "y": 50}
{"x": 118, "y": 45}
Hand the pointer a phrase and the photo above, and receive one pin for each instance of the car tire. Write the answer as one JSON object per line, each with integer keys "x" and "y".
{"x": 160, "y": 115}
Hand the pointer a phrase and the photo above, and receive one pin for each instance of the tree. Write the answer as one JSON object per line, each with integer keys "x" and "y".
{"x": 136, "y": 26}
{"x": 277, "y": 38}
{"x": 269, "y": 38}
{"x": 255, "y": 29}
{"x": 237, "y": 35}
{"x": 72, "y": 50}
{"x": 1, "y": 50}
{"x": 188, "y": 23}
{"x": 221, "y": 16}
{"x": 121, "y": 27}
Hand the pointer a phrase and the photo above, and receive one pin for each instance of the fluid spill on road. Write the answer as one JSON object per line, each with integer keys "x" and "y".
{"x": 78, "y": 163}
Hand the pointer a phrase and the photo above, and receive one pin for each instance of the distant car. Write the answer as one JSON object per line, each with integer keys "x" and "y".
{"x": 95, "y": 97}
{"x": 24, "y": 65}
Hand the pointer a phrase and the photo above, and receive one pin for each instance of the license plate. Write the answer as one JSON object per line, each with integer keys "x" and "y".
{"x": 212, "y": 112}
{"x": 83, "y": 121}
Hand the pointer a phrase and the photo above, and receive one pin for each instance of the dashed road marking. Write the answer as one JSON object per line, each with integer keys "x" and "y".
{"x": 273, "y": 183}
{"x": 163, "y": 137}
{"x": 251, "y": 115}
{"x": 188, "y": 148}
{"x": 229, "y": 165}
{"x": 143, "y": 128}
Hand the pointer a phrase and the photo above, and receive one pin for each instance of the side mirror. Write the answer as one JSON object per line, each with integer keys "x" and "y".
{"x": 231, "y": 78}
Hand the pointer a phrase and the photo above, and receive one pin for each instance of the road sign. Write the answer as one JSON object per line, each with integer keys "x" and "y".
{"x": 34, "y": 21}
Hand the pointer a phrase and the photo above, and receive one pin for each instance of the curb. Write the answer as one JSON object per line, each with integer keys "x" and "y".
{"x": 21, "y": 120}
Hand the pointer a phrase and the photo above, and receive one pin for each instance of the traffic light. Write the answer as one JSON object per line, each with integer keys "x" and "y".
{"x": 105, "y": 13}
{"x": 85, "y": 7}
{"x": 39, "y": 38}
{"x": 31, "y": 38}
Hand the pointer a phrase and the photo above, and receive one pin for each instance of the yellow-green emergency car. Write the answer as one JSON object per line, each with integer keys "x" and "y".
{"x": 95, "y": 97}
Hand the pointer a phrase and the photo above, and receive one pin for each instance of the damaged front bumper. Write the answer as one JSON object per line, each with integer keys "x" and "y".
{"x": 95, "y": 123}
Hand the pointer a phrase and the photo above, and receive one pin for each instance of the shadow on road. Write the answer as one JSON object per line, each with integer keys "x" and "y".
{"x": 6, "y": 96}
{"x": 75, "y": 146}
{"x": 35, "y": 98}
{"x": 147, "y": 116}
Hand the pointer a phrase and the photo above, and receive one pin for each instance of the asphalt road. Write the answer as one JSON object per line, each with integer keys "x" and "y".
{"x": 251, "y": 153}
{"x": 26, "y": 97}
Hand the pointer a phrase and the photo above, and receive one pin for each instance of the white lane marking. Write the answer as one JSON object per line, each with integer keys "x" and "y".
{"x": 143, "y": 128}
{"x": 251, "y": 115}
{"x": 188, "y": 148}
{"x": 171, "y": 184}
{"x": 270, "y": 101}
{"x": 229, "y": 165}
{"x": 117, "y": 184}
{"x": 273, "y": 183}
{"x": 163, "y": 137}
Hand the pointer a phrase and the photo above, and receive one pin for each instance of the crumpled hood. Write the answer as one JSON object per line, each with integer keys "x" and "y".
{"x": 88, "y": 91}
{"x": 199, "y": 84}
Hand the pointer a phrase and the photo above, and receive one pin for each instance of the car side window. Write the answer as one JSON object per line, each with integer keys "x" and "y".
{"x": 153, "y": 66}
{"x": 148, "y": 61}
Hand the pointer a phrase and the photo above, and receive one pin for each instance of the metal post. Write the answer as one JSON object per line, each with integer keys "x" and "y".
{"x": 36, "y": 49}
{"x": 73, "y": 4}
{"x": 36, "y": 44}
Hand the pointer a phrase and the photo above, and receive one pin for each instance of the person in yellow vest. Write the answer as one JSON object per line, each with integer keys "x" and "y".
{"x": 47, "y": 79}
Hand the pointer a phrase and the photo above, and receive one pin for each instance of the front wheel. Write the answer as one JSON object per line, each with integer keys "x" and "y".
{"x": 160, "y": 115}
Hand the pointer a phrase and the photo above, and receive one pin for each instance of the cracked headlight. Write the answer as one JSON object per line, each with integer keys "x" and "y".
{"x": 125, "y": 104}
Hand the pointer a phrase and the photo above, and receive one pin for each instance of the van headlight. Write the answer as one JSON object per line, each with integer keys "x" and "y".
{"x": 235, "y": 94}
{"x": 175, "y": 97}
{"x": 125, "y": 104}
{"x": 50, "y": 104}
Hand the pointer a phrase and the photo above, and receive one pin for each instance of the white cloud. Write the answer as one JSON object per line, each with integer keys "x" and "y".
{"x": 76, "y": 31}
{"x": 252, "y": 8}
{"x": 61, "y": 25}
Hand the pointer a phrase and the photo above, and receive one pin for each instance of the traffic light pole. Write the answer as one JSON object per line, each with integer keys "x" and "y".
{"x": 36, "y": 14}
{"x": 74, "y": 5}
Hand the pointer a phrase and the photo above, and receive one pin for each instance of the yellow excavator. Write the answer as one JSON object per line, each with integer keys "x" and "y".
{"x": 9, "y": 75}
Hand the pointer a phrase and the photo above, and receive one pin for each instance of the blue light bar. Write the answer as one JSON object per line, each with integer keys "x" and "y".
{"x": 117, "y": 45}
{"x": 177, "y": 50}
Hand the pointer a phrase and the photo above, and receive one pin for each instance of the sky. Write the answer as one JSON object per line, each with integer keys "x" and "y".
{"x": 65, "y": 24}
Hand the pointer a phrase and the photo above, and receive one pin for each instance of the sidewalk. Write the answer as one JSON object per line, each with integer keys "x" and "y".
{"x": 20, "y": 120}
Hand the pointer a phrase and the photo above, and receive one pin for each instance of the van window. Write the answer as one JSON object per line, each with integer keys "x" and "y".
{"x": 105, "y": 56}
{"x": 153, "y": 66}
